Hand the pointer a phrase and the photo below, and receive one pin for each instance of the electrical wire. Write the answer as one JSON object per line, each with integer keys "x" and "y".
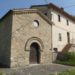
{"x": 46, "y": 1}
{"x": 4, "y": 3}
{"x": 69, "y": 6}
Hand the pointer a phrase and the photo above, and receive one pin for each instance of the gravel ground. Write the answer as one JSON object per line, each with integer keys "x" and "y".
{"x": 36, "y": 69}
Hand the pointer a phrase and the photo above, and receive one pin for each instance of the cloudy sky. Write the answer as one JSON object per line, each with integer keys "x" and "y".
{"x": 6, "y": 5}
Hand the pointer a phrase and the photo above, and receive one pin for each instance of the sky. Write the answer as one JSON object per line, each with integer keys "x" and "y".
{"x": 6, "y": 5}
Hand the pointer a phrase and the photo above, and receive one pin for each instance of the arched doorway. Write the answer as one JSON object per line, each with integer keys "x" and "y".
{"x": 34, "y": 53}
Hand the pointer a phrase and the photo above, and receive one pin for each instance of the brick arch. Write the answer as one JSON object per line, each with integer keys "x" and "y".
{"x": 31, "y": 40}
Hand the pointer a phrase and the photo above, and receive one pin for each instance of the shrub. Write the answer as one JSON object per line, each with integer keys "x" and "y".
{"x": 67, "y": 58}
{"x": 63, "y": 57}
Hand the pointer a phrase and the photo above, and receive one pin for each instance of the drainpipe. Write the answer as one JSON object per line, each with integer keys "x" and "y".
{"x": 51, "y": 44}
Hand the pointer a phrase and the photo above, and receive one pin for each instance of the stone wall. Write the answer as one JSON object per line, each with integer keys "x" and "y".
{"x": 24, "y": 33}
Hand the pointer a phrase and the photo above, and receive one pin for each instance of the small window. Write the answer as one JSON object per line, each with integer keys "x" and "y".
{"x": 60, "y": 37}
{"x": 45, "y": 14}
{"x": 59, "y": 18}
{"x": 56, "y": 49}
{"x": 67, "y": 22}
{"x": 51, "y": 16}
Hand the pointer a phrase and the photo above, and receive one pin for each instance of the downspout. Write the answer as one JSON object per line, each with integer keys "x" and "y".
{"x": 51, "y": 35}
{"x": 51, "y": 44}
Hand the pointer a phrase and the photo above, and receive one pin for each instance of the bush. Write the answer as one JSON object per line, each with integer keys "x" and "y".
{"x": 64, "y": 56}
{"x": 67, "y": 58}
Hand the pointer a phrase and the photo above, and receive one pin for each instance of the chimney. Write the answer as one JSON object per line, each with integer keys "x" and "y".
{"x": 62, "y": 8}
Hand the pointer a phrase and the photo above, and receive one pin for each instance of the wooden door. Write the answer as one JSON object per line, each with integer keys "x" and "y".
{"x": 34, "y": 53}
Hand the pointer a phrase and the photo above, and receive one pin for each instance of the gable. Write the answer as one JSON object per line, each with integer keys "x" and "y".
{"x": 32, "y": 11}
{"x": 21, "y": 11}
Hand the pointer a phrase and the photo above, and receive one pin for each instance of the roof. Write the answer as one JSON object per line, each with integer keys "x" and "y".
{"x": 57, "y": 9}
{"x": 27, "y": 11}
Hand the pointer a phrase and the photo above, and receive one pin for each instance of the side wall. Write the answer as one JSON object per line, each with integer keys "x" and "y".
{"x": 62, "y": 28}
{"x": 5, "y": 40}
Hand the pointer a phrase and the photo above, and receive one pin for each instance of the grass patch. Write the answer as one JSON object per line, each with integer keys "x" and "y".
{"x": 68, "y": 72}
{"x": 2, "y": 73}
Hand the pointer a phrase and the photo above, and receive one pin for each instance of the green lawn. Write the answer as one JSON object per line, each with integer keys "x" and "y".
{"x": 68, "y": 72}
{"x": 2, "y": 73}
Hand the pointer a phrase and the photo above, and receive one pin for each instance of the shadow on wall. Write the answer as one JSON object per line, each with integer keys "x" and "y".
{"x": 5, "y": 41}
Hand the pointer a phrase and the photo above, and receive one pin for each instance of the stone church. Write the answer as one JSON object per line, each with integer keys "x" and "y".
{"x": 28, "y": 36}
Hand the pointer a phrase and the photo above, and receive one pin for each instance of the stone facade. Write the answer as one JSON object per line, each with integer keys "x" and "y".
{"x": 20, "y": 33}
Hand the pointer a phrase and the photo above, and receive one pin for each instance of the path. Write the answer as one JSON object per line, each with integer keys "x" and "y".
{"x": 36, "y": 69}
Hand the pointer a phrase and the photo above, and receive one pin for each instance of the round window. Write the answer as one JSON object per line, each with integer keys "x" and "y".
{"x": 35, "y": 23}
